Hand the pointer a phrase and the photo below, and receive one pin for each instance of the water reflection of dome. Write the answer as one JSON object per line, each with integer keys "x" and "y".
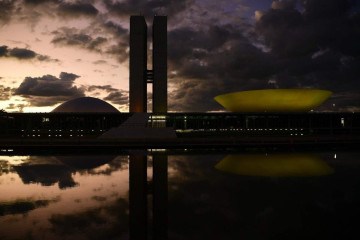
{"x": 86, "y": 161}
{"x": 273, "y": 100}
{"x": 46, "y": 175}
{"x": 48, "y": 171}
{"x": 274, "y": 165}
{"x": 85, "y": 104}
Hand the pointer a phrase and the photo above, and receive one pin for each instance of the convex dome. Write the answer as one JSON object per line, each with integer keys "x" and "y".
{"x": 86, "y": 104}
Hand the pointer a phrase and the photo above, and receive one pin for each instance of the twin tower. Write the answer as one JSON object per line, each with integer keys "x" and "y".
{"x": 140, "y": 76}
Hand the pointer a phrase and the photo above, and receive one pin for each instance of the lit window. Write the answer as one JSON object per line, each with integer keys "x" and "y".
{"x": 342, "y": 122}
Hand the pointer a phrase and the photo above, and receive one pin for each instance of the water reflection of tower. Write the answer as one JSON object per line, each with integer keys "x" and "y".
{"x": 140, "y": 76}
{"x": 139, "y": 189}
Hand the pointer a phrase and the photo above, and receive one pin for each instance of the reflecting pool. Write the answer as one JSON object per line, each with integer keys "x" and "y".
{"x": 182, "y": 194}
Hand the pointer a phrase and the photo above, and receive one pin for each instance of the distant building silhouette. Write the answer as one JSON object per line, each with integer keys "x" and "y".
{"x": 139, "y": 74}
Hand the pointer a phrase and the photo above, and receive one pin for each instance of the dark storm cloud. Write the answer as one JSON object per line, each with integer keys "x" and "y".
{"x": 212, "y": 61}
{"x": 24, "y": 54}
{"x": 316, "y": 47}
{"x": 61, "y": 8}
{"x": 3, "y": 51}
{"x": 326, "y": 9}
{"x": 74, "y": 37}
{"x": 49, "y": 85}
{"x": 15, "y": 107}
{"x": 323, "y": 24}
{"x": 6, "y": 10}
{"x": 49, "y": 90}
{"x": 116, "y": 32}
{"x": 106, "y": 88}
{"x": 64, "y": 76}
{"x": 78, "y": 8}
{"x": 114, "y": 95}
{"x": 5, "y": 92}
{"x": 36, "y": 2}
{"x": 119, "y": 51}
{"x": 44, "y": 58}
{"x": 146, "y": 8}
{"x": 115, "y": 28}
{"x": 78, "y": 38}
{"x": 280, "y": 4}
{"x": 118, "y": 97}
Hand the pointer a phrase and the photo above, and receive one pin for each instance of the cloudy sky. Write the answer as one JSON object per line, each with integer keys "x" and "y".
{"x": 55, "y": 50}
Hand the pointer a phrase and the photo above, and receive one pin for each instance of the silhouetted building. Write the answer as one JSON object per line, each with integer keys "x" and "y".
{"x": 55, "y": 125}
{"x": 138, "y": 62}
{"x": 160, "y": 64}
{"x": 139, "y": 74}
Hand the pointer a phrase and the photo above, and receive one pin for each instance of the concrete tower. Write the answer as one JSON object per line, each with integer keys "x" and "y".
{"x": 160, "y": 64}
{"x": 139, "y": 75}
{"x": 138, "y": 62}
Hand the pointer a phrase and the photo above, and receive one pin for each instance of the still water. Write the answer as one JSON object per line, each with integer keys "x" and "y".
{"x": 181, "y": 195}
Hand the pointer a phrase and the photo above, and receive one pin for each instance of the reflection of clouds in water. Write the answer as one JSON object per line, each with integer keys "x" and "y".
{"x": 106, "y": 222}
{"x": 6, "y": 163}
{"x": 22, "y": 206}
{"x": 99, "y": 198}
{"x": 186, "y": 167}
{"x": 118, "y": 163}
{"x": 14, "y": 160}
{"x": 35, "y": 178}
{"x": 46, "y": 175}
{"x": 85, "y": 162}
{"x": 230, "y": 206}
{"x": 49, "y": 170}
{"x": 196, "y": 193}
{"x": 4, "y": 167}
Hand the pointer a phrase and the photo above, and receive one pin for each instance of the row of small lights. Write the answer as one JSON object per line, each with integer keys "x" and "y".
{"x": 7, "y": 150}
{"x": 59, "y": 130}
{"x": 250, "y": 129}
{"x": 52, "y": 135}
{"x": 240, "y": 129}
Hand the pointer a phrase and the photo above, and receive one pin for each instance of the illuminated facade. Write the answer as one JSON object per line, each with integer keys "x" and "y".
{"x": 186, "y": 125}
{"x": 273, "y": 100}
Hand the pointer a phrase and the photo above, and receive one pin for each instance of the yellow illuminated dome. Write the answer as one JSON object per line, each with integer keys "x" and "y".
{"x": 273, "y": 100}
{"x": 274, "y": 165}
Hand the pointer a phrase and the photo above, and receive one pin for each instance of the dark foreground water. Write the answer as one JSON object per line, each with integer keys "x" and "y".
{"x": 191, "y": 195}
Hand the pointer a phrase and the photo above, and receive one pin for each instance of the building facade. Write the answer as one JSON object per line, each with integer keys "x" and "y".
{"x": 140, "y": 76}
